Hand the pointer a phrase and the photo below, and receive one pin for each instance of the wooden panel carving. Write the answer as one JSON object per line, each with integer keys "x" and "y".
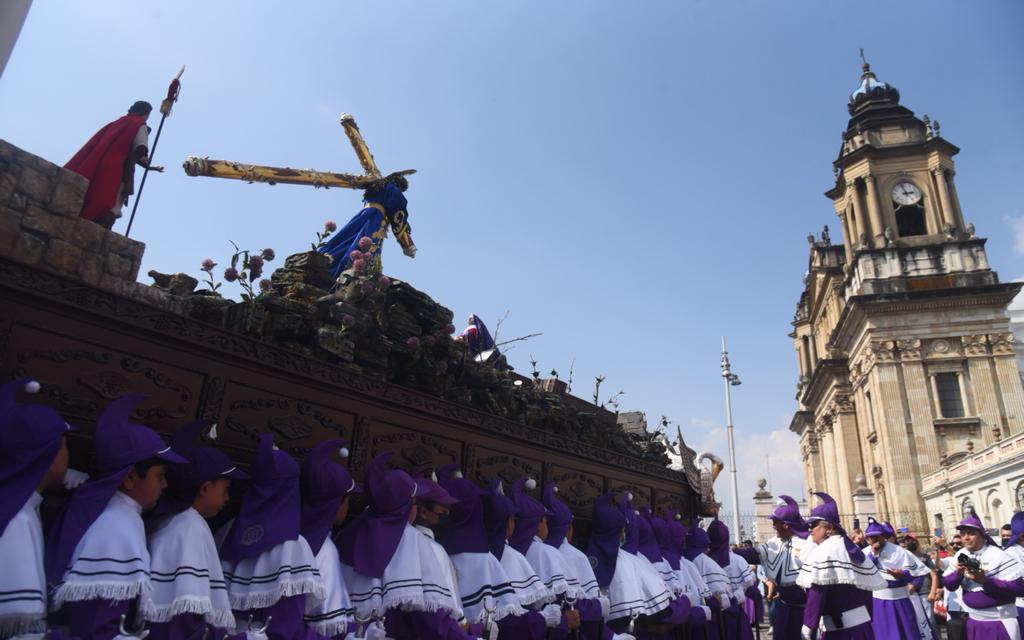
{"x": 641, "y": 494}
{"x": 577, "y": 489}
{"x": 296, "y": 424}
{"x": 79, "y": 379}
{"x": 490, "y": 463}
{"x": 413, "y": 450}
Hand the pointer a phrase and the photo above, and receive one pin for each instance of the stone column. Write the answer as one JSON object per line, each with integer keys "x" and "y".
{"x": 877, "y": 225}
{"x": 848, "y": 458}
{"x": 763, "y": 505}
{"x": 921, "y": 414}
{"x": 858, "y": 213}
{"x": 948, "y": 216}
{"x": 1010, "y": 389}
{"x": 849, "y": 240}
{"x": 983, "y": 385}
{"x": 864, "y": 506}
{"x": 828, "y": 453}
{"x": 899, "y": 466}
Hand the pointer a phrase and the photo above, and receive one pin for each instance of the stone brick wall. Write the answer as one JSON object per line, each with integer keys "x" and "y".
{"x": 40, "y": 227}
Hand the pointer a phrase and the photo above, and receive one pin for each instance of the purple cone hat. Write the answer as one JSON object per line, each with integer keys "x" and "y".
{"x": 876, "y": 528}
{"x": 205, "y": 464}
{"x": 1016, "y": 529}
{"x": 718, "y": 536}
{"x": 974, "y": 522}
{"x": 368, "y": 543}
{"x": 787, "y": 510}
{"x": 30, "y": 438}
{"x": 119, "y": 445}
{"x": 428, "y": 490}
{"x": 467, "y": 533}
{"x": 827, "y": 511}
{"x": 632, "y": 542}
{"x": 560, "y": 519}
{"x": 697, "y": 541}
{"x": 323, "y": 485}
{"x": 670, "y": 534}
{"x": 529, "y": 514}
{"x": 270, "y": 507}
{"x": 498, "y": 508}
{"x": 648, "y": 543}
{"x": 609, "y": 519}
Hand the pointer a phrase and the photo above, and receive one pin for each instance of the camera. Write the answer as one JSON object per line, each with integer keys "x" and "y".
{"x": 968, "y": 561}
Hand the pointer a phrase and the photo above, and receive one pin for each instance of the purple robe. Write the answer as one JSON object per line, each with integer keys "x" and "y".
{"x": 838, "y": 601}
{"x": 97, "y": 619}
{"x": 423, "y": 625}
{"x": 530, "y": 626}
{"x": 188, "y": 626}
{"x": 287, "y": 619}
{"x": 994, "y": 593}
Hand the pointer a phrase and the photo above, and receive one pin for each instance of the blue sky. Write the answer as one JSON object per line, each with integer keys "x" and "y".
{"x": 633, "y": 179}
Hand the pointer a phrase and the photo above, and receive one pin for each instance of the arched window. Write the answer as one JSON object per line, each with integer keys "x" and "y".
{"x": 1018, "y": 495}
{"x": 967, "y": 508}
{"x": 910, "y": 221}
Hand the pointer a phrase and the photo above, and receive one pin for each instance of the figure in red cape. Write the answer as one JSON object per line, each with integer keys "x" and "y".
{"x": 108, "y": 161}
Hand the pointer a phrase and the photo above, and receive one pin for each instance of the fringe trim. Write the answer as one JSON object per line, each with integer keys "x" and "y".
{"x": 863, "y": 583}
{"x": 19, "y": 623}
{"x": 331, "y": 628}
{"x": 500, "y": 613}
{"x": 189, "y": 604}
{"x": 285, "y": 589}
{"x": 78, "y": 591}
{"x": 535, "y": 596}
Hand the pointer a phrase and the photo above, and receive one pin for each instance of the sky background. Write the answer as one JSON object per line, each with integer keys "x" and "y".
{"x": 632, "y": 179}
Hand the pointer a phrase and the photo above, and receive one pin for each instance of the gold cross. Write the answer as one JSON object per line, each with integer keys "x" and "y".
{"x": 196, "y": 166}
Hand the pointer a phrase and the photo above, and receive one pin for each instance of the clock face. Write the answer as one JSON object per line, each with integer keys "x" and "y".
{"x": 906, "y": 193}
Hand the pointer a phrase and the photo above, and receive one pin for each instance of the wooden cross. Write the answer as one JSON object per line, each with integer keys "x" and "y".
{"x": 196, "y": 166}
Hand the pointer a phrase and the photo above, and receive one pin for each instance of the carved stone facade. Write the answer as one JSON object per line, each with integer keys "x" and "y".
{"x": 902, "y": 335}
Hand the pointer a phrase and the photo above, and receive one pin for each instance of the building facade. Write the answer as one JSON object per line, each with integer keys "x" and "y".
{"x": 902, "y": 335}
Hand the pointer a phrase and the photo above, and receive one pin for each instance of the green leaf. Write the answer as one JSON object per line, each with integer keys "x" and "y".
{"x": 234, "y": 261}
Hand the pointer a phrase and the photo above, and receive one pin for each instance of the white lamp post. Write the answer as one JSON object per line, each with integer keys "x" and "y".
{"x": 730, "y": 379}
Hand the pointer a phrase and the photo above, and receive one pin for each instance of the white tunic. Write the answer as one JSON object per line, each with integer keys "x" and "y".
{"x": 23, "y": 582}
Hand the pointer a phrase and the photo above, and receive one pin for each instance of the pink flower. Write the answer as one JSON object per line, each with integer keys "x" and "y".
{"x": 430, "y": 341}
{"x": 450, "y": 329}
{"x": 330, "y": 227}
{"x": 366, "y": 288}
{"x": 355, "y": 255}
{"x": 347, "y": 320}
{"x": 368, "y": 256}
{"x": 256, "y": 263}
{"x": 231, "y": 274}
{"x": 268, "y": 254}
{"x": 383, "y": 282}
{"x": 208, "y": 265}
{"x": 266, "y": 285}
{"x": 255, "y": 273}
{"x": 413, "y": 342}
{"x": 365, "y": 243}
{"x": 359, "y": 264}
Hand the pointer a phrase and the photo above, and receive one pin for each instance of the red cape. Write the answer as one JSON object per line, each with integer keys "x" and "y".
{"x": 102, "y": 162}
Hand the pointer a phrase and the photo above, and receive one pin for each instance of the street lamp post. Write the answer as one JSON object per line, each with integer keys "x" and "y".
{"x": 730, "y": 379}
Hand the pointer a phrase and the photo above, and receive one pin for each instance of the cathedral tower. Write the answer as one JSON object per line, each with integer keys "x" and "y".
{"x": 902, "y": 335}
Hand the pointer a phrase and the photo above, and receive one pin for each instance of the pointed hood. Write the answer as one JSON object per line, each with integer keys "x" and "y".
{"x": 30, "y": 438}
{"x": 561, "y": 516}
{"x": 670, "y": 534}
{"x": 632, "y": 541}
{"x": 827, "y": 511}
{"x": 119, "y": 444}
{"x": 609, "y": 519}
{"x": 205, "y": 464}
{"x": 648, "y": 544}
{"x": 529, "y": 513}
{"x": 876, "y": 528}
{"x": 428, "y": 490}
{"x": 323, "y": 485}
{"x": 467, "y": 533}
{"x": 498, "y": 508}
{"x": 974, "y": 522}
{"x": 1016, "y": 529}
{"x": 718, "y": 537}
{"x": 270, "y": 507}
{"x": 697, "y": 541}
{"x": 368, "y": 543}
{"x": 788, "y": 511}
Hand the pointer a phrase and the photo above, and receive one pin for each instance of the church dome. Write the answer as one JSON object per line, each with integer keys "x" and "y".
{"x": 871, "y": 91}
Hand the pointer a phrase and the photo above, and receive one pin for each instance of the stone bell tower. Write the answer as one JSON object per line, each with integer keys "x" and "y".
{"x": 902, "y": 334}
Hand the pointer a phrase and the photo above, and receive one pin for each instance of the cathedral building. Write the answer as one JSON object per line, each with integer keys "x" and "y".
{"x": 902, "y": 335}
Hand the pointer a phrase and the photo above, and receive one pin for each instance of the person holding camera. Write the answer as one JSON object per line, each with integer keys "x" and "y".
{"x": 991, "y": 581}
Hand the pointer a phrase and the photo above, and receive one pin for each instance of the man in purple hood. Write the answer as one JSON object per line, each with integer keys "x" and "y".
{"x": 33, "y": 458}
{"x": 839, "y": 580}
{"x": 97, "y": 562}
{"x": 741, "y": 578}
{"x": 991, "y": 581}
{"x": 781, "y": 558}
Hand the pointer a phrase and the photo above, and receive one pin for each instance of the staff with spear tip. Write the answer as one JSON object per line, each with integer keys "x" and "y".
{"x": 165, "y": 110}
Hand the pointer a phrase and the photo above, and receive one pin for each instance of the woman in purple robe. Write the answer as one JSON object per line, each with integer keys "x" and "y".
{"x": 892, "y": 611}
{"x": 991, "y": 581}
{"x": 838, "y": 578}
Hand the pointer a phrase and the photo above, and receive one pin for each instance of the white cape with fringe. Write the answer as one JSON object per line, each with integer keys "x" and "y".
{"x": 185, "y": 572}
{"x": 550, "y": 565}
{"x": 830, "y": 563}
{"x": 528, "y": 585}
{"x": 636, "y": 588}
{"x": 413, "y": 580}
{"x": 582, "y": 572}
{"x": 715, "y": 578}
{"x": 485, "y": 587}
{"x": 23, "y": 583}
{"x": 331, "y": 615}
{"x": 111, "y": 561}
{"x": 285, "y": 570}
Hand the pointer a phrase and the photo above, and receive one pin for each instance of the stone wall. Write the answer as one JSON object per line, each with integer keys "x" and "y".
{"x": 40, "y": 227}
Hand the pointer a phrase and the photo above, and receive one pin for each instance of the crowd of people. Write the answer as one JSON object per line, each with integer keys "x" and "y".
{"x": 431, "y": 556}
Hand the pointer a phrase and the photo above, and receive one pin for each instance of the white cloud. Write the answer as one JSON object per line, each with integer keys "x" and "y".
{"x": 1017, "y": 225}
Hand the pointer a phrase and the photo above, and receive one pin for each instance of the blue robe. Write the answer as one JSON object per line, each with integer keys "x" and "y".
{"x": 370, "y": 222}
